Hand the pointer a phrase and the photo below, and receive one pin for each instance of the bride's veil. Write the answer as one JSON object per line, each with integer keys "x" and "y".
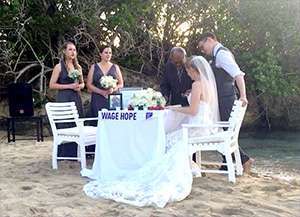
{"x": 210, "y": 89}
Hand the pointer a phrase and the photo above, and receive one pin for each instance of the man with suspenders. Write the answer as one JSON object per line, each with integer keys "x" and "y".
{"x": 227, "y": 73}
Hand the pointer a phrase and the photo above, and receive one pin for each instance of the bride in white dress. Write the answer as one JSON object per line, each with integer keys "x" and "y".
{"x": 167, "y": 178}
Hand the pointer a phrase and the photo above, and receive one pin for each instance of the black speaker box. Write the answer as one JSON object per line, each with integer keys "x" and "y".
{"x": 20, "y": 100}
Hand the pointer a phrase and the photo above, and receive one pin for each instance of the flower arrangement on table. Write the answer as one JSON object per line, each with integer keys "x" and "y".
{"x": 149, "y": 98}
{"x": 74, "y": 75}
{"x": 108, "y": 82}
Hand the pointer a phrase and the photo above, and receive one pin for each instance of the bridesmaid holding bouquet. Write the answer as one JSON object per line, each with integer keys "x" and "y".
{"x": 100, "y": 75}
{"x": 67, "y": 78}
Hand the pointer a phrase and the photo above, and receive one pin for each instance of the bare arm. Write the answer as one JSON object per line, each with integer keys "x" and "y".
{"x": 91, "y": 87}
{"x": 81, "y": 81}
{"x": 192, "y": 109}
{"x": 120, "y": 83}
{"x": 240, "y": 82}
{"x": 54, "y": 78}
{"x": 227, "y": 62}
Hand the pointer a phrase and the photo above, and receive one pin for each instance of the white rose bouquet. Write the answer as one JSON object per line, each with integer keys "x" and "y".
{"x": 108, "y": 82}
{"x": 148, "y": 98}
{"x": 74, "y": 74}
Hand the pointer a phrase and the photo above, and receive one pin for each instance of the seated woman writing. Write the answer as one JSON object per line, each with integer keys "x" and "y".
{"x": 203, "y": 102}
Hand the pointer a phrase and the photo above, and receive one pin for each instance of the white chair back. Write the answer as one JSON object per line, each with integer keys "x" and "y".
{"x": 224, "y": 142}
{"x": 61, "y": 115}
{"x": 236, "y": 119}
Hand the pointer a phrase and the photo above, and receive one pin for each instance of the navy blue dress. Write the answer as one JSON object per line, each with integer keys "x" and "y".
{"x": 98, "y": 101}
{"x": 68, "y": 95}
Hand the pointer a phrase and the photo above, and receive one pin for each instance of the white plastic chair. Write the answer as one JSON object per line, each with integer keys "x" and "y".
{"x": 66, "y": 112}
{"x": 225, "y": 142}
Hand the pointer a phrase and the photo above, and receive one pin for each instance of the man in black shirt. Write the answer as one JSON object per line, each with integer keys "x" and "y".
{"x": 176, "y": 84}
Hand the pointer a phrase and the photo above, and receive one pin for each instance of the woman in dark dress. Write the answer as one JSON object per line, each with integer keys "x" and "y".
{"x": 67, "y": 78}
{"x": 105, "y": 67}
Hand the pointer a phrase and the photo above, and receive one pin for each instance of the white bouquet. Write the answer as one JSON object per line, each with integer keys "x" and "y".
{"x": 148, "y": 98}
{"x": 108, "y": 82}
{"x": 74, "y": 74}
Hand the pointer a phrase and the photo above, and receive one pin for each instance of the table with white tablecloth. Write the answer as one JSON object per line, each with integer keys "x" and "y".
{"x": 137, "y": 162}
{"x": 126, "y": 140}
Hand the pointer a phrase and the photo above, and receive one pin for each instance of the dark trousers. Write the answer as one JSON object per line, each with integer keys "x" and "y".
{"x": 225, "y": 107}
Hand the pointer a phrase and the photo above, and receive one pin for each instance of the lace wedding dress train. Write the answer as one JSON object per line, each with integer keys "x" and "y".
{"x": 167, "y": 178}
{"x": 162, "y": 180}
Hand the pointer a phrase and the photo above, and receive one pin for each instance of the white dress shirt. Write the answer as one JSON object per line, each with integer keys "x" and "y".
{"x": 226, "y": 61}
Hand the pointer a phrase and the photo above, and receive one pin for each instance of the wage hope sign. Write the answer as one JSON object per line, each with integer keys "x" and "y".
{"x": 122, "y": 115}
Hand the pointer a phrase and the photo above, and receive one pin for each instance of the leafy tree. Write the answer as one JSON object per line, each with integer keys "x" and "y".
{"x": 262, "y": 35}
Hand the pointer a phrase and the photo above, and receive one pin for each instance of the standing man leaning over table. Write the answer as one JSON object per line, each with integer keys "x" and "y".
{"x": 227, "y": 73}
{"x": 175, "y": 83}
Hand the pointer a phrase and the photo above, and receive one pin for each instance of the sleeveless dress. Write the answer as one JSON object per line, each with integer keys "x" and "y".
{"x": 164, "y": 179}
{"x": 68, "y": 95}
{"x": 98, "y": 101}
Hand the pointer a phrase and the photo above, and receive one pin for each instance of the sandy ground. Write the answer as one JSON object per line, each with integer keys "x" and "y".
{"x": 29, "y": 187}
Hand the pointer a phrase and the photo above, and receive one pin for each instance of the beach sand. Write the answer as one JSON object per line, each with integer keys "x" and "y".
{"x": 30, "y": 188}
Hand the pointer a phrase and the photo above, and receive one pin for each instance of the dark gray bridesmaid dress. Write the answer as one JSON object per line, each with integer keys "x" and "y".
{"x": 98, "y": 101}
{"x": 68, "y": 95}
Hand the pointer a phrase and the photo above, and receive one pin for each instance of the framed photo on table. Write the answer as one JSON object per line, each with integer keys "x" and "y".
{"x": 127, "y": 93}
{"x": 115, "y": 101}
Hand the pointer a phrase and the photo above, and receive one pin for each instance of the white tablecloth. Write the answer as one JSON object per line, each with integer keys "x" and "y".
{"x": 126, "y": 140}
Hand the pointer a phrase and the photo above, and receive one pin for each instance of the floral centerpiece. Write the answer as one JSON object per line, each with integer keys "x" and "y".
{"x": 108, "y": 82}
{"x": 148, "y": 98}
{"x": 74, "y": 74}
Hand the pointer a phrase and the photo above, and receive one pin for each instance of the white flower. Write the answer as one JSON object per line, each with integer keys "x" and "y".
{"x": 108, "y": 81}
{"x": 74, "y": 74}
{"x": 147, "y": 98}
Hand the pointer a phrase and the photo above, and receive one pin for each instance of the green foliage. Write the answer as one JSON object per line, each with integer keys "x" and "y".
{"x": 271, "y": 87}
{"x": 39, "y": 101}
{"x": 263, "y": 35}
{"x": 130, "y": 61}
{"x": 272, "y": 58}
{"x": 266, "y": 75}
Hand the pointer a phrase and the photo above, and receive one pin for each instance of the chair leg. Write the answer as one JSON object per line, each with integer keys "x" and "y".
{"x": 198, "y": 161}
{"x": 230, "y": 167}
{"x": 198, "y": 158}
{"x": 54, "y": 154}
{"x": 82, "y": 156}
{"x": 78, "y": 152}
{"x": 238, "y": 162}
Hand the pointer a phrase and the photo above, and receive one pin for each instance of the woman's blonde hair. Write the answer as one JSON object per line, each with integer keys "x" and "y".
{"x": 208, "y": 81}
{"x": 75, "y": 60}
{"x": 190, "y": 63}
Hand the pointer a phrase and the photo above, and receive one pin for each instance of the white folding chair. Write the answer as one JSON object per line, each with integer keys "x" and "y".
{"x": 66, "y": 113}
{"x": 225, "y": 142}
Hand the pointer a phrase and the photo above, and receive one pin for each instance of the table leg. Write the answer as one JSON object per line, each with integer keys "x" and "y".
{"x": 38, "y": 130}
{"x": 41, "y": 129}
{"x": 13, "y": 130}
{"x": 8, "y": 129}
